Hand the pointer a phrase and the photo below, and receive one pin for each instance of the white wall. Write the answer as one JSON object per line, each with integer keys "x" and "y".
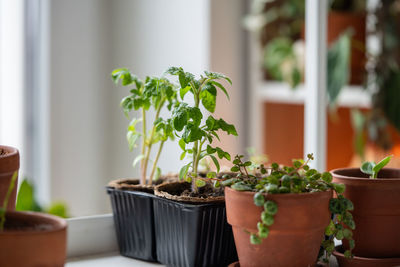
{"x": 87, "y": 128}
{"x": 79, "y": 104}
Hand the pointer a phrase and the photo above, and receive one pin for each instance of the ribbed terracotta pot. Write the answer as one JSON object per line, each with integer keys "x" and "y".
{"x": 376, "y": 211}
{"x": 9, "y": 163}
{"x": 364, "y": 262}
{"x": 294, "y": 238}
{"x": 38, "y": 240}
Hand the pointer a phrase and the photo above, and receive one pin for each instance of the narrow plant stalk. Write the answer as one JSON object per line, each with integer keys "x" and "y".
{"x": 5, "y": 202}
{"x": 155, "y": 162}
{"x": 142, "y": 163}
{"x": 146, "y": 158}
{"x": 196, "y": 151}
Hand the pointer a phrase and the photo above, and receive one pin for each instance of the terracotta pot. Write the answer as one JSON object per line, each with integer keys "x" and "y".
{"x": 9, "y": 163}
{"x": 294, "y": 238}
{"x": 376, "y": 211}
{"x": 40, "y": 240}
{"x": 364, "y": 262}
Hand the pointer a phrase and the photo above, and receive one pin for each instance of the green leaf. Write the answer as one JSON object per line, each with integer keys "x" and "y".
{"x": 327, "y": 177}
{"x": 211, "y": 175}
{"x": 380, "y": 165}
{"x": 339, "y": 188}
{"x": 26, "y": 198}
{"x": 182, "y": 144}
{"x": 263, "y": 230}
{"x": 270, "y": 207}
{"x": 123, "y": 75}
{"x": 137, "y": 159}
{"x": 210, "y": 149}
{"x": 347, "y": 233}
{"x": 200, "y": 183}
{"x": 183, "y": 171}
{"x": 259, "y": 199}
{"x": 216, "y": 163}
{"x": 174, "y": 70}
{"x": 58, "y": 209}
{"x": 192, "y": 133}
{"x": 208, "y": 100}
{"x": 254, "y": 239}
{"x": 367, "y": 167}
{"x": 241, "y": 186}
{"x": 183, "y": 91}
{"x": 220, "y": 86}
{"x": 157, "y": 174}
{"x": 216, "y": 75}
{"x": 132, "y": 137}
{"x": 217, "y": 184}
{"x": 330, "y": 229}
{"x": 338, "y": 66}
{"x": 297, "y": 164}
{"x": 235, "y": 169}
{"x": 267, "y": 218}
{"x": 183, "y": 155}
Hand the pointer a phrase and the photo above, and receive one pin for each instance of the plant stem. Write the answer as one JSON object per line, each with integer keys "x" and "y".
{"x": 155, "y": 161}
{"x": 5, "y": 202}
{"x": 142, "y": 164}
{"x": 153, "y": 130}
{"x": 196, "y": 151}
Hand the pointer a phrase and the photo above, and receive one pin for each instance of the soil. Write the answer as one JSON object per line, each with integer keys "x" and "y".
{"x": 182, "y": 191}
{"x": 29, "y": 226}
{"x": 134, "y": 184}
{"x": 3, "y": 152}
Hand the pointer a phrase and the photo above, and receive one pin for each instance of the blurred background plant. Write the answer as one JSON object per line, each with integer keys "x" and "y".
{"x": 26, "y": 201}
{"x": 279, "y": 26}
{"x": 376, "y": 128}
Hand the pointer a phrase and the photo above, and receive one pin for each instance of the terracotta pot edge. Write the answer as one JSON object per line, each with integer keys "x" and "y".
{"x": 293, "y": 195}
{"x": 352, "y": 178}
{"x": 61, "y": 224}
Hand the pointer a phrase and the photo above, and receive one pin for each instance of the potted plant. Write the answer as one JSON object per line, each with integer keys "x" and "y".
{"x": 9, "y": 164}
{"x": 374, "y": 190}
{"x": 287, "y": 211}
{"x": 131, "y": 199}
{"x": 190, "y": 220}
{"x": 30, "y": 238}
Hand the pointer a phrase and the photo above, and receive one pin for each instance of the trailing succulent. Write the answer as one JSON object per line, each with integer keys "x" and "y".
{"x": 152, "y": 92}
{"x": 299, "y": 178}
{"x": 196, "y": 134}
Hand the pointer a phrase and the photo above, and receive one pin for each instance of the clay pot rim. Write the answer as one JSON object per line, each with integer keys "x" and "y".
{"x": 11, "y": 151}
{"x": 339, "y": 254}
{"x": 282, "y": 195}
{"x": 58, "y": 224}
{"x": 366, "y": 180}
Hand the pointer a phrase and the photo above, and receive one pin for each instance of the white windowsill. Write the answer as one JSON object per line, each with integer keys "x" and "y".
{"x": 91, "y": 242}
{"x": 106, "y": 260}
{"x": 279, "y": 92}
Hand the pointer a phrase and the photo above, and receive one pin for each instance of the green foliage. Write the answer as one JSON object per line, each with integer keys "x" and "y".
{"x": 155, "y": 92}
{"x": 26, "y": 201}
{"x": 3, "y": 208}
{"x": 372, "y": 169}
{"x": 298, "y": 178}
{"x": 26, "y": 198}
{"x": 281, "y": 62}
{"x": 196, "y": 136}
{"x": 338, "y": 66}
